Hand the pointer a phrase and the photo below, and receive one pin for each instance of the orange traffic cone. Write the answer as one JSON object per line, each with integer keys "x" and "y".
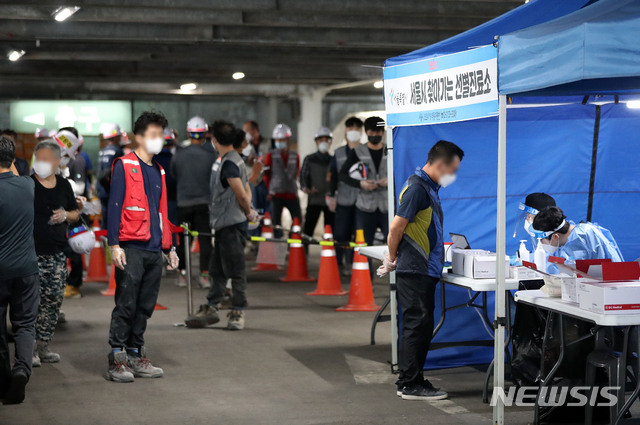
{"x": 160, "y": 307}
{"x": 111, "y": 290}
{"x": 329, "y": 275}
{"x": 267, "y": 251}
{"x": 195, "y": 246}
{"x": 361, "y": 291}
{"x": 297, "y": 268}
{"x": 97, "y": 260}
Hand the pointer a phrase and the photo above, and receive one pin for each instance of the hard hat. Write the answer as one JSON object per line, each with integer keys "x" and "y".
{"x": 324, "y": 132}
{"x": 281, "y": 131}
{"x": 197, "y": 125}
{"x": 110, "y": 130}
{"x": 81, "y": 139}
{"x": 81, "y": 239}
{"x": 125, "y": 139}
{"x": 68, "y": 142}
{"x": 42, "y": 133}
{"x": 358, "y": 171}
{"x": 168, "y": 134}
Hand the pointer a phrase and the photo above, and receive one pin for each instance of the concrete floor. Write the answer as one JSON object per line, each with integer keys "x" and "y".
{"x": 297, "y": 362}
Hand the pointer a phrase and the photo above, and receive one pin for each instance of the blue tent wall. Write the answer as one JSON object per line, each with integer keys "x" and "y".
{"x": 549, "y": 150}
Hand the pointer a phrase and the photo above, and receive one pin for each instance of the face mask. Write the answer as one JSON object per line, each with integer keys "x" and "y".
{"x": 549, "y": 249}
{"x": 247, "y": 150}
{"x": 447, "y": 179}
{"x": 323, "y": 147}
{"x": 281, "y": 145}
{"x": 527, "y": 226}
{"x": 64, "y": 161}
{"x": 43, "y": 169}
{"x": 154, "y": 146}
{"x": 353, "y": 136}
{"x": 374, "y": 140}
{"x": 249, "y": 137}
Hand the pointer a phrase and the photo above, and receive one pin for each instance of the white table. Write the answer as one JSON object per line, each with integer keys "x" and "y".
{"x": 478, "y": 285}
{"x": 564, "y": 308}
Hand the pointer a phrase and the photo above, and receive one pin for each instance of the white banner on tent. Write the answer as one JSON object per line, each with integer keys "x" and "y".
{"x": 457, "y": 87}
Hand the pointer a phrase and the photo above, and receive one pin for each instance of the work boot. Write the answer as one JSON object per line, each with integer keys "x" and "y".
{"x": 203, "y": 281}
{"x": 45, "y": 355}
{"x": 35, "y": 362}
{"x": 118, "y": 369}
{"x": 206, "y": 316}
{"x": 423, "y": 391}
{"x": 141, "y": 366}
{"x": 17, "y": 388}
{"x": 181, "y": 282}
{"x": 236, "y": 320}
{"x": 71, "y": 291}
{"x": 226, "y": 303}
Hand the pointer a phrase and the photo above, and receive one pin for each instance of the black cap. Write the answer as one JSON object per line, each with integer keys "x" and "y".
{"x": 539, "y": 201}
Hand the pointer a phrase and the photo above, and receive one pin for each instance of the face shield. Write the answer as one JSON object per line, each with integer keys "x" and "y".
{"x": 524, "y": 220}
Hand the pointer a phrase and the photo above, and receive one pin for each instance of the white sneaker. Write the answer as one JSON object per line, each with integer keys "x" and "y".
{"x": 36, "y": 361}
{"x": 236, "y": 320}
{"x": 203, "y": 281}
{"x": 181, "y": 282}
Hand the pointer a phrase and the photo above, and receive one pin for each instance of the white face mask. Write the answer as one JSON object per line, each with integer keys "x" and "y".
{"x": 248, "y": 137}
{"x": 527, "y": 227}
{"x": 43, "y": 169}
{"x": 154, "y": 146}
{"x": 247, "y": 150}
{"x": 353, "y": 136}
{"x": 281, "y": 145}
{"x": 323, "y": 147}
{"x": 447, "y": 179}
{"x": 549, "y": 249}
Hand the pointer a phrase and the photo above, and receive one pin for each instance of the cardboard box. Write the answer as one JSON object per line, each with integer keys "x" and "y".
{"x": 524, "y": 273}
{"x": 458, "y": 258}
{"x": 610, "y": 297}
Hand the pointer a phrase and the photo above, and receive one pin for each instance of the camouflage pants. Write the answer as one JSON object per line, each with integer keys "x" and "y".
{"x": 53, "y": 278}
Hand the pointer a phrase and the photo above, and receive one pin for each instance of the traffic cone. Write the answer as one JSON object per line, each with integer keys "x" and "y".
{"x": 97, "y": 260}
{"x": 361, "y": 291}
{"x": 329, "y": 275}
{"x": 111, "y": 290}
{"x": 195, "y": 246}
{"x": 297, "y": 268}
{"x": 267, "y": 251}
{"x": 160, "y": 307}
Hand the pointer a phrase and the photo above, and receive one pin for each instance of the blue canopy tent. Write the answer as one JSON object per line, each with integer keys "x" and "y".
{"x": 556, "y": 144}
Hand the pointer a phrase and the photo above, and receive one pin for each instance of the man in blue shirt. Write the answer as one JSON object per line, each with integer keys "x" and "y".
{"x": 416, "y": 252}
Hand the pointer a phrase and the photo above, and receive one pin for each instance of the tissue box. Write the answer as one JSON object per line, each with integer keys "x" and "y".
{"x": 476, "y": 264}
{"x": 609, "y": 297}
{"x": 524, "y": 273}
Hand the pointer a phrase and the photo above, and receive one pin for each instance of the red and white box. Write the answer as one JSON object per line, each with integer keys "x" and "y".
{"x": 610, "y": 297}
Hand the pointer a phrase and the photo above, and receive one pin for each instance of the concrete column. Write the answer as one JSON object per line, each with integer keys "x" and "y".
{"x": 267, "y": 115}
{"x": 310, "y": 118}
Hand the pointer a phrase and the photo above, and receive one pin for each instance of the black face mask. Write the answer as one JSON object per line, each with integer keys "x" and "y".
{"x": 374, "y": 140}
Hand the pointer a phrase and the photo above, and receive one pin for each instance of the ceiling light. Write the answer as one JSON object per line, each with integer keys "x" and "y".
{"x": 63, "y": 13}
{"x": 378, "y": 84}
{"x": 633, "y": 104}
{"x": 238, "y": 75}
{"x": 14, "y": 55}
{"x": 188, "y": 86}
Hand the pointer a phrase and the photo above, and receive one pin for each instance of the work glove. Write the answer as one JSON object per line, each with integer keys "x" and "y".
{"x": 58, "y": 216}
{"x": 387, "y": 265}
{"x": 173, "y": 260}
{"x": 368, "y": 185}
{"x": 118, "y": 258}
{"x": 331, "y": 202}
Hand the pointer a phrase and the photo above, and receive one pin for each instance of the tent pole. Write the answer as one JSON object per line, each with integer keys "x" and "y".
{"x": 391, "y": 202}
{"x": 500, "y": 321}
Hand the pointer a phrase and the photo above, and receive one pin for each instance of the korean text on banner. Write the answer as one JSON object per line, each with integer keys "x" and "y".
{"x": 457, "y": 87}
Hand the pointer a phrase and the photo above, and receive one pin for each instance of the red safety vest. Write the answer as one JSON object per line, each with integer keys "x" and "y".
{"x": 135, "y": 221}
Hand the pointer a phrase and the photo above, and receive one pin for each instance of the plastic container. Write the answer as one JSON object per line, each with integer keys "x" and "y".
{"x": 540, "y": 258}
{"x": 523, "y": 252}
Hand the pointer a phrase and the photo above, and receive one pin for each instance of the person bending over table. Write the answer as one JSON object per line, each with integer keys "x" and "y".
{"x": 416, "y": 251}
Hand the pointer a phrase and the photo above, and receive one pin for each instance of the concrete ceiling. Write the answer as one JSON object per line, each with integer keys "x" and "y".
{"x": 128, "y": 47}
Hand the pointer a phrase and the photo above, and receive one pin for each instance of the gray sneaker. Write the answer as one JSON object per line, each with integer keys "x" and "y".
{"x": 424, "y": 391}
{"x": 206, "y": 316}
{"x": 118, "y": 369}
{"x": 226, "y": 303}
{"x": 142, "y": 368}
{"x": 45, "y": 355}
{"x": 236, "y": 320}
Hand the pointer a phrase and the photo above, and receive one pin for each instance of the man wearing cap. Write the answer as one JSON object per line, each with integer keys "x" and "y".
{"x": 112, "y": 134}
{"x": 21, "y": 164}
{"x": 282, "y": 165}
{"x": 191, "y": 167}
{"x": 313, "y": 181}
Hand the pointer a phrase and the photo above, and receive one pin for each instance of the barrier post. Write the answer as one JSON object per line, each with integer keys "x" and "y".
{"x": 187, "y": 265}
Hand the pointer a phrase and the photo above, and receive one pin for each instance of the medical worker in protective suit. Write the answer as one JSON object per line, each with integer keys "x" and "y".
{"x": 583, "y": 241}
{"x": 527, "y": 211}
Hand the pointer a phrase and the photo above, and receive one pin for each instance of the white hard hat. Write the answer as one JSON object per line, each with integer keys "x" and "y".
{"x": 197, "y": 125}
{"x": 81, "y": 239}
{"x": 68, "y": 142}
{"x": 358, "y": 171}
{"x": 169, "y": 134}
{"x": 125, "y": 139}
{"x": 42, "y": 133}
{"x": 324, "y": 132}
{"x": 281, "y": 131}
{"x": 110, "y": 130}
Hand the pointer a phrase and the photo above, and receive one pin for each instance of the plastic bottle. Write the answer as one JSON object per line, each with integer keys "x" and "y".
{"x": 540, "y": 257}
{"x": 523, "y": 252}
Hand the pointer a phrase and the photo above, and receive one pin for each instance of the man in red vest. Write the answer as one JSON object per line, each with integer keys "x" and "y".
{"x": 139, "y": 231}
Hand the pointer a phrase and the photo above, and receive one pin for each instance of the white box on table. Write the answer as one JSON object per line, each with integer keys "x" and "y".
{"x": 459, "y": 256}
{"x": 610, "y": 297}
{"x": 476, "y": 263}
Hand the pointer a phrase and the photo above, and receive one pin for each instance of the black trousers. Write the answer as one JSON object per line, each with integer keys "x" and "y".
{"x": 313, "y": 215}
{"x": 197, "y": 216}
{"x": 416, "y": 297}
{"x": 74, "y": 278}
{"x": 22, "y": 296}
{"x": 345, "y": 230}
{"x": 277, "y": 205}
{"x": 137, "y": 288}
{"x": 228, "y": 262}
